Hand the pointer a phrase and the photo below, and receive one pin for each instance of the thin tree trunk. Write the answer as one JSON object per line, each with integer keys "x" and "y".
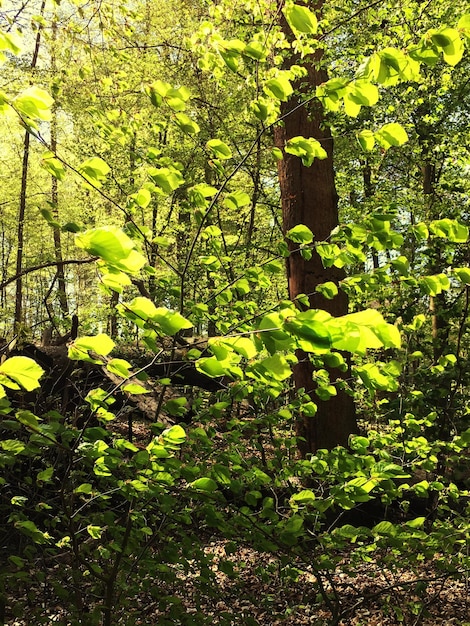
{"x": 308, "y": 196}
{"x": 254, "y": 199}
{"x": 61, "y": 284}
{"x": 19, "y": 312}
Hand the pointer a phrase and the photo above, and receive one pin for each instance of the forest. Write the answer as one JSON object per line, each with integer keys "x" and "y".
{"x": 234, "y": 312}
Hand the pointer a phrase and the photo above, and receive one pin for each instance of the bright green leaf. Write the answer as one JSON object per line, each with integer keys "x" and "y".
{"x": 186, "y": 124}
{"x": 204, "y": 484}
{"x": 366, "y": 139}
{"x": 300, "y": 234}
{"x": 168, "y": 179}
{"x": 22, "y": 370}
{"x": 94, "y": 170}
{"x": 463, "y": 274}
{"x": 135, "y": 389}
{"x": 100, "y": 344}
{"x": 113, "y": 246}
{"x": 391, "y": 135}
{"x": 301, "y": 19}
{"x": 34, "y": 103}
{"x": 279, "y": 88}
{"x": 308, "y": 149}
{"x": 219, "y": 149}
{"x": 94, "y": 531}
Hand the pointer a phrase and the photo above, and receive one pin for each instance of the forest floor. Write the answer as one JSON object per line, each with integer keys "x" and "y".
{"x": 375, "y": 597}
{"x": 258, "y": 593}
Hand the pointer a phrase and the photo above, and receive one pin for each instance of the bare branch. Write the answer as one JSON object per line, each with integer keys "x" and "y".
{"x": 42, "y": 266}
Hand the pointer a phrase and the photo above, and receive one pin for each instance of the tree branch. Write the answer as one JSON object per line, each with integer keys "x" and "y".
{"x": 42, "y": 266}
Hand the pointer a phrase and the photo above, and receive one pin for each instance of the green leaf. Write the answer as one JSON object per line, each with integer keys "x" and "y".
{"x": 279, "y": 88}
{"x": 366, "y": 140}
{"x": 10, "y": 42}
{"x": 135, "y": 389}
{"x": 120, "y": 367}
{"x": 245, "y": 346}
{"x": 212, "y": 231}
{"x": 300, "y": 234}
{"x": 34, "y": 103}
{"x": 449, "y": 229}
{"x": 255, "y": 50}
{"x": 418, "y": 522}
{"x": 237, "y": 200}
{"x": 113, "y": 246}
{"x": 71, "y": 227}
{"x": 363, "y": 92}
{"x": 174, "y": 436}
{"x": 448, "y": 39}
{"x": 219, "y": 149}
{"x": 94, "y": 531}
{"x": 176, "y": 407}
{"x": 311, "y": 329}
{"x": 142, "y": 311}
{"x": 176, "y": 99}
{"x": 301, "y": 19}
{"x": 328, "y": 290}
{"x": 359, "y": 443}
{"x": 52, "y": 165}
{"x": 464, "y": 25}
{"x": 23, "y": 371}
{"x": 143, "y": 197}
{"x": 391, "y": 135}
{"x": 271, "y": 334}
{"x": 28, "y": 419}
{"x": 211, "y": 366}
{"x": 210, "y": 262}
{"x": 85, "y": 488}
{"x": 304, "y": 497}
{"x": 204, "y": 484}
{"x": 275, "y": 367}
{"x": 30, "y": 529}
{"x": 434, "y": 285}
{"x": 385, "y": 528}
{"x": 307, "y": 149}
{"x": 420, "y": 231}
{"x": 47, "y": 215}
{"x": 100, "y": 344}
{"x": 186, "y": 124}
{"x": 463, "y": 274}
{"x": 12, "y": 445}
{"x": 94, "y": 170}
{"x": 45, "y": 475}
{"x": 160, "y": 92}
{"x": 325, "y": 392}
{"x": 375, "y": 377}
{"x": 168, "y": 179}
{"x": 357, "y": 332}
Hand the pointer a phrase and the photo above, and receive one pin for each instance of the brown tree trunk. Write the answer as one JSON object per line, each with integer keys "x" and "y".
{"x": 61, "y": 283}
{"x": 19, "y": 313}
{"x": 308, "y": 196}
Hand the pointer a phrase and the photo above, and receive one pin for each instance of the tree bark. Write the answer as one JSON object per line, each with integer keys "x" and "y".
{"x": 19, "y": 313}
{"x": 308, "y": 196}
{"x": 61, "y": 282}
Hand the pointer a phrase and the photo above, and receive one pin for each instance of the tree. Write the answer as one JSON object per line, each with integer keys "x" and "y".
{"x": 308, "y": 197}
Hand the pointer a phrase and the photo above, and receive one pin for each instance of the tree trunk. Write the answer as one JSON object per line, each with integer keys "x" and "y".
{"x": 308, "y": 196}
{"x": 61, "y": 283}
{"x": 19, "y": 313}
